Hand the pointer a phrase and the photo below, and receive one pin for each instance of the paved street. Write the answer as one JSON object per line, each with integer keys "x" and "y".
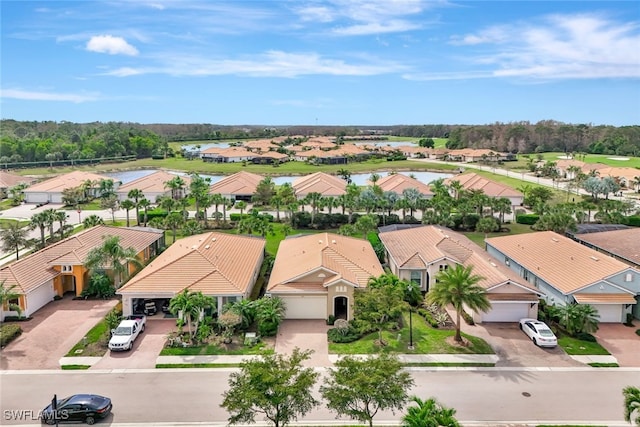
{"x": 481, "y": 396}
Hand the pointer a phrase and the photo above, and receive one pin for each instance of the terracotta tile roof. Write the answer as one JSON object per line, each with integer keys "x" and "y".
{"x": 235, "y": 152}
{"x": 68, "y": 180}
{"x": 319, "y": 182}
{"x": 627, "y": 173}
{"x": 315, "y": 152}
{"x": 563, "y": 263}
{"x": 33, "y": 270}
{"x": 567, "y": 163}
{"x": 155, "y": 183}
{"x": 214, "y": 263}
{"x": 604, "y": 298}
{"x": 318, "y": 143}
{"x": 263, "y": 144}
{"x": 473, "y": 181}
{"x": 8, "y": 180}
{"x": 399, "y": 182}
{"x": 622, "y": 243}
{"x": 342, "y": 257}
{"x": 272, "y": 155}
{"x": 498, "y": 296}
{"x": 429, "y": 244}
{"x": 240, "y": 183}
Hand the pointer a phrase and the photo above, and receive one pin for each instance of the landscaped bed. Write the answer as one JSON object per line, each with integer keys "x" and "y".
{"x": 236, "y": 348}
{"x": 577, "y": 347}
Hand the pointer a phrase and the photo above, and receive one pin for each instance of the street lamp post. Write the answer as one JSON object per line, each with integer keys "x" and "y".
{"x": 410, "y": 328}
{"x": 79, "y": 218}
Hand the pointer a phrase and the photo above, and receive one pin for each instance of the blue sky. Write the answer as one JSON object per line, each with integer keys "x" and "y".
{"x": 339, "y": 62}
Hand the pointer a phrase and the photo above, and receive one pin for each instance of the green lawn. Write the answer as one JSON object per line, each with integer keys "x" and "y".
{"x": 95, "y": 337}
{"x": 576, "y": 347}
{"x": 5, "y": 204}
{"x": 607, "y": 159}
{"x": 215, "y": 350}
{"x": 196, "y": 365}
{"x": 74, "y": 367}
{"x": 426, "y": 340}
{"x": 514, "y": 228}
{"x": 5, "y": 223}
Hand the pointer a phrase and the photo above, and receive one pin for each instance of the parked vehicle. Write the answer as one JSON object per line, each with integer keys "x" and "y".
{"x": 77, "y": 408}
{"x": 539, "y": 332}
{"x": 125, "y": 334}
{"x": 150, "y": 308}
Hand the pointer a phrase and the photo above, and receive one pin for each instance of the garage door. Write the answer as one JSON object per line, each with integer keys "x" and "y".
{"x": 305, "y": 307}
{"x": 609, "y": 313}
{"x": 506, "y": 312}
{"x": 39, "y": 297}
{"x": 36, "y": 197}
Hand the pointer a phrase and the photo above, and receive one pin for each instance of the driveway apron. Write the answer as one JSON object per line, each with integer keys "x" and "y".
{"x": 621, "y": 341}
{"x": 306, "y": 335}
{"x": 52, "y": 332}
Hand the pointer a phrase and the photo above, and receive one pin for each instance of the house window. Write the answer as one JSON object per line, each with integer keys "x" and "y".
{"x": 444, "y": 267}
{"x": 67, "y": 269}
{"x": 14, "y": 301}
{"x": 507, "y": 261}
{"x": 525, "y": 274}
{"x": 416, "y": 278}
{"x": 628, "y": 277}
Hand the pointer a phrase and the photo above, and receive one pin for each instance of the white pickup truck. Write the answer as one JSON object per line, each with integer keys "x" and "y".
{"x": 125, "y": 334}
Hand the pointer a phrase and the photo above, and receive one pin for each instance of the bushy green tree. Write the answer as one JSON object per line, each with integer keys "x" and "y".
{"x": 429, "y": 413}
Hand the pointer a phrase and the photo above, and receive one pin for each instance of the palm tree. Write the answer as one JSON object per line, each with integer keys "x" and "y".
{"x": 429, "y": 413}
{"x": 50, "y": 218}
{"x": 631, "y": 404}
{"x": 136, "y": 195}
{"x": 344, "y": 174}
{"x": 579, "y": 318}
{"x": 92, "y": 221}
{"x": 242, "y": 206}
{"x": 173, "y": 221}
{"x": 13, "y": 238}
{"x": 144, "y": 204}
{"x": 176, "y": 185}
{"x": 7, "y": 295}
{"x": 39, "y": 220}
{"x": 459, "y": 287}
{"x": 184, "y": 306}
{"x": 111, "y": 255}
{"x": 61, "y": 217}
{"x": 127, "y": 205}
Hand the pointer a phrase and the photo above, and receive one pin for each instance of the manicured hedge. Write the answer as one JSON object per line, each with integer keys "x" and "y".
{"x": 153, "y": 213}
{"x": 634, "y": 221}
{"x": 528, "y": 219}
{"x": 8, "y": 333}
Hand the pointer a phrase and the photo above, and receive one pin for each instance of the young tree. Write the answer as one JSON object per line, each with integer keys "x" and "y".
{"x": 144, "y": 204}
{"x": 459, "y": 287}
{"x": 631, "y": 404}
{"x": 275, "y": 386}
{"x": 487, "y": 225}
{"x": 379, "y": 306}
{"x": 92, "y": 221}
{"x": 264, "y": 191}
{"x": 360, "y": 388}
{"x": 366, "y": 223}
{"x": 429, "y": 413}
{"x": 13, "y": 238}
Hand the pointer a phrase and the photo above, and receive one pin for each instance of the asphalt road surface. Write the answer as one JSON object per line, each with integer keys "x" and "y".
{"x": 192, "y": 396}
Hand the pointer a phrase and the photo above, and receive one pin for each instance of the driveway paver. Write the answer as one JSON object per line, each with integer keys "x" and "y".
{"x": 52, "y": 332}
{"x": 146, "y": 348}
{"x": 621, "y": 341}
{"x": 306, "y": 335}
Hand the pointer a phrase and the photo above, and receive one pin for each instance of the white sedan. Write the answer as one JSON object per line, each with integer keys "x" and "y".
{"x": 539, "y": 332}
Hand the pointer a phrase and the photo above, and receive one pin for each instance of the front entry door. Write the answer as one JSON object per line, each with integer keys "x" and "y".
{"x": 340, "y": 308}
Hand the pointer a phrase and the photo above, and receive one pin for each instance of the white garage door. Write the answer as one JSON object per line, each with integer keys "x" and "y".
{"x": 506, "y": 312}
{"x": 36, "y": 197}
{"x": 305, "y": 307}
{"x": 39, "y": 297}
{"x": 609, "y": 313}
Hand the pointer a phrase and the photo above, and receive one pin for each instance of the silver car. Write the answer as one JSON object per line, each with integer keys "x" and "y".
{"x": 539, "y": 332}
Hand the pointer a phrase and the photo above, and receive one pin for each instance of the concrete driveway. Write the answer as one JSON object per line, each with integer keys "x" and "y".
{"x": 145, "y": 349}
{"x": 306, "y": 335}
{"x": 516, "y": 349}
{"x": 52, "y": 332}
{"x": 621, "y": 341}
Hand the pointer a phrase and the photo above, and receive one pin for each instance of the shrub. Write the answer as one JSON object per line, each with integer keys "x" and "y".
{"x": 467, "y": 318}
{"x": 8, "y": 333}
{"x": 100, "y": 287}
{"x": 634, "y": 221}
{"x": 267, "y": 329}
{"x": 331, "y": 320}
{"x": 629, "y": 321}
{"x": 638, "y": 332}
{"x": 583, "y": 336}
{"x": 527, "y": 219}
{"x": 428, "y": 317}
{"x": 343, "y": 335}
{"x": 151, "y": 214}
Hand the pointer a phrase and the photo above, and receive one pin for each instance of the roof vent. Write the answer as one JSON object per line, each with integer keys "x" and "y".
{"x": 493, "y": 264}
{"x": 594, "y": 258}
{"x": 194, "y": 246}
{"x": 207, "y": 246}
{"x": 319, "y": 242}
{"x": 213, "y": 240}
{"x": 333, "y": 241}
{"x": 554, "y": 239}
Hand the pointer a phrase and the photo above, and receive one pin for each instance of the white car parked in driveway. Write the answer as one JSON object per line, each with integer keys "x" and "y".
{"x": 539, "y": 332}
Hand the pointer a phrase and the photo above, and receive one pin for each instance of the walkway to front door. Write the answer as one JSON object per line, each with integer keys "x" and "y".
{"x": 306, "y": 335}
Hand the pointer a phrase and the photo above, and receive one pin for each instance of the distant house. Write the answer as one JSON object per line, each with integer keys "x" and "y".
{"x": 152, "y": 186}
{"x": 227, "y": 155}
{"x": 239, "y": 186}
{"x": 319, "y": 182}
{"x": 471, "y": 155}
{"x": 398, "y": 182}
{"x": 317, "y": 275}
{"x": 59, "y": 268}
{"x": 50, "y": 191}
{"x": 269, "y": 157}
{"x": 568, "y": 272}
{"x": 623, "y": 244}
{"x": 418, "y": 254}
{"x": 473, "y": 181}
{"x": 9, "y": 180}
{"x": 220, "y": 265}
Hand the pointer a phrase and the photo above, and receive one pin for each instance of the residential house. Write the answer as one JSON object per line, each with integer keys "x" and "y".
{"x": 317, "y": 275}
{"x": 50, "y": 191}
{"x": 568, "y": 272}
{"x": 9, "y": 180}
{"x": 399, "y": 182}
{"x": 622, "y": 244}
{"x": 59, "y": 269}
{"x": 152, "y": 186}
{"x": 220, "y": 265}
{"x": 473, "y": 181}
{"x": 319, "y": 182}
{"x": 227, "y": 155}
{"x": 418, "y": 254}
{"x": 239, "y": 186}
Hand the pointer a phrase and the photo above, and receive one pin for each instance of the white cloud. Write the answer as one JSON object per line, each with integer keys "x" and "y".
{"x": 269, "y": 64}
{"x": 560, "y": 47}
{"x": 316, "y": 14}
{"x": 47, "y": 96}
{"x": 396, "y": 26}
{"x": 111, "y": 45}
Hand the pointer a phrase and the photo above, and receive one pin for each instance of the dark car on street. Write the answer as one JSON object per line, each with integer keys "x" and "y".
{"x": 85, "y": 408}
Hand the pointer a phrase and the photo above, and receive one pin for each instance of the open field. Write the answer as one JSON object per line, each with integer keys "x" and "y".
{"x": 607, "y": 159}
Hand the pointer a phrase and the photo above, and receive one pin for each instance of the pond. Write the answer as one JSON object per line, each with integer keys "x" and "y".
{"x": 358, "y": 179}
